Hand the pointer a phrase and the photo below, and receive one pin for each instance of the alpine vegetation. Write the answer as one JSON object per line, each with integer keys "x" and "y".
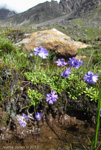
{"x": 46, "y": 89}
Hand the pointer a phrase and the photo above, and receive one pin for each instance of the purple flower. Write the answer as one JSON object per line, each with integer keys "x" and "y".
{"x": 90, "y": 77}
{"x": 100, "y": 112}
{"x": 9, "y": 36}
{"x": 43, "y": 53}
{"x": 22, "y": 123}
{"x": 31, "y": 54}
{"x": 52, "y": 97}
{"x": 25, "y": 117}
{"x": 66, "y": 73}
{"x": 37, "y": 50}
{"x": 61, "y": 62}
{"x": 74, "y": 63}
{"x": 22, "y": 119}
{"x": 38, "y": 116}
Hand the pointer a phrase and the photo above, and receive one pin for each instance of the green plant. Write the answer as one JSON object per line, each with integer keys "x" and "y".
{"x": 74, "y": 87}
{"x": 35, "y": 98}
{"x": 14, "y": 34}
{"x": 98, "y": 119}
{"x": 92, "y": 93}
{"x": 93, "y": 143}
{"x": 6, "y": 46}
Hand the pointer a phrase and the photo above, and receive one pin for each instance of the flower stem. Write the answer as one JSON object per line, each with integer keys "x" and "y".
{"x": 98, "y": 119}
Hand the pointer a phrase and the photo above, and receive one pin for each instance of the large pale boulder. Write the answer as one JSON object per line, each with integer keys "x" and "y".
{"x": 52, "y": 40}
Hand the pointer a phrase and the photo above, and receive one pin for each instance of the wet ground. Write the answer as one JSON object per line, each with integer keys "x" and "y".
{"x": 51, "y": 133}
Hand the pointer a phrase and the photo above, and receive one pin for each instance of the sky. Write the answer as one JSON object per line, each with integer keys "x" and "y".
{"x": 20, "y": 5}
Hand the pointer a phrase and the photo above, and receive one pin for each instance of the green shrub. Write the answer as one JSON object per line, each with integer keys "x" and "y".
{"x": 73, "y": 85}
{"x": 35, "y": 97}
{"x": 14, "y": 34}
{"x": 6, "y": 46}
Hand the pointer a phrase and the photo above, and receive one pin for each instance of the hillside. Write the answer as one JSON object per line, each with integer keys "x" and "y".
{"x": 5, "y": 13}
{"x": 52, "y": 13}
{"x": 40, "y": 13}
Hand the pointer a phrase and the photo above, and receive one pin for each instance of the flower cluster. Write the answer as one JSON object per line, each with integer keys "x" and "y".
{"x": 52, "y": 97}
{"x": 43, "y": 53}
{"x": 74, "y": 63}
{"x": 90, "y": 77}
{"x": 61, "y": 62}
{"x": 22, "y": 120}
{"x": 40, "y": 51}
{"x": 66, "y": 73}
{"x": 38, "y": 116}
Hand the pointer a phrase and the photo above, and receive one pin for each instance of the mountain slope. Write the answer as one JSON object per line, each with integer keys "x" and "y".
{"x": 5, "y": 13}
{"x": 50, "y": 10}
{"x": 69, "y": 6}
{"x": 87, "y": 7}
{"x": 40, "y": 13}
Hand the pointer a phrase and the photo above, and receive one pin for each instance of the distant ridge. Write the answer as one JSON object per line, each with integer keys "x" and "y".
{"x": 6, "y": 13}
{"x": 50, "y": 10}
